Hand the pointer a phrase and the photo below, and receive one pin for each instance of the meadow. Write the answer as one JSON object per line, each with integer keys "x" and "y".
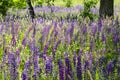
{"x": 59, "y": 45}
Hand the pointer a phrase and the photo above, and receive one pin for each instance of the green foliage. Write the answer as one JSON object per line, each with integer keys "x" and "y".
{"x": 4, "y": 6}
{"x": 49, "y": 2}
{"x": 68, "y": 3}
{"x": 19, "y": 4}
{"x": 37, "y": 2}
{"x": 40, "y": 2}
{"x": 88, "y": 4}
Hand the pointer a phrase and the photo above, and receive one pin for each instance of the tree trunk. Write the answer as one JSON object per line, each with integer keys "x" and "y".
{"x": 30, "y": 9}
{"x": 32, "y": 14}
{"x": 106, "y": 8}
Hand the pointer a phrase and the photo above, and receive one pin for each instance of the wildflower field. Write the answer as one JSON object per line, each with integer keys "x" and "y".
{"x": 59, "y": 45}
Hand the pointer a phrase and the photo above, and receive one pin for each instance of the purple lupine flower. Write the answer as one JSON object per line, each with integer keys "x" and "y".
{"x": 94, "y": 30}
{"x": 90, "y": 23}
{"x": 68, "y": 69}
{"x": 27, "y": 65}
{"x": 24, "y": 41}
{"x": 44, "y": 56}
{"x": 76, "y": 37}
{"x": 16, "y": 29}
{"x": 75, "y": 59}
{"x": 26, "y": 72}
{"x": 110, "y": 67}
{"x": 55, "y": 25}
{"x": 41, "y": 39}
{"x": 58, "y": 42}
{"x": 86, "y": 64}
{"x": 36, "y": 61}
{"x": 55, "y": 33}
{"x": 103, "y": 37}
{"x": 80, "y": 52}
{"x": 24, "y": 75}
{"x": 99, "y": 25}
{"x": 13, "y": 28}
{"x": 45, "y": 31}
{"x": 84, "y": 30}
{"x": 90, "y": 59}
{"x": 34, "y": 76}
{"x": 104, "y": 72}
{"x": 109, "y": 30}
{"x": 115, "y": 38}
{"x": 114, "y": 30}
{"x": 71, "y": 30}
{"x": 7, "y": 27}
{"x": 68, "y": 39}
{"x": 18, "y": 57}
{"x": 55, "y": 47}
{"x": 32, "y": 46}
{"x": 37, "y": 70}
{"x": 48, "y": 66}
{"x": 46, "y": 48}
{"x": 79, "y": 68}
{"x": 12, "y": 66}
{"x": 117, "y": 21}
{"x": 61, "y": 70}
{"x": 118, "y": 70}
{"x": 13, "y": 41}
{"x": 101, "y": 60}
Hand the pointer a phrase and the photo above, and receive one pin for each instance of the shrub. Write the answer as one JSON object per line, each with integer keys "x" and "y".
{"x": 88, "y": 4}
{"x": 68, "y": 3}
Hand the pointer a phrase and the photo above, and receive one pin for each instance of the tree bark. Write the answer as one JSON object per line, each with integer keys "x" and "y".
{"x": 32, "y": 14}
{"x": 106, "y": 8}
{"x": 30, "y": 9}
